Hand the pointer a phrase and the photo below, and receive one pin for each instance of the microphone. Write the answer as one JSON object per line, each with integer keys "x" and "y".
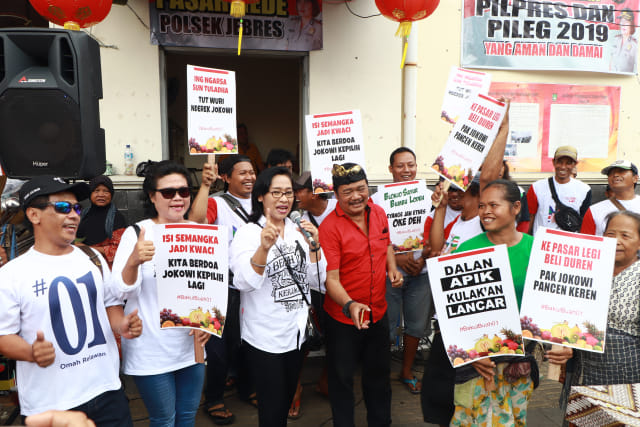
{"x": 295, "y": 217}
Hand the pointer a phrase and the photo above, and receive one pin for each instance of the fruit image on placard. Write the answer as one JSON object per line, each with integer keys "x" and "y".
{"x": 225, "y": 144}
{"x": 562, "y": 333}
{"x": 213, "y": 321}
{"x": 410, "y": 244}
{"x": 320, "y": 186}
{"x": 486, "y": 346}
{"x": 456, "y": 173}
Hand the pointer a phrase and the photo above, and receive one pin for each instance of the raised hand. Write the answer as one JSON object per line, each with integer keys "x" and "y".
{"x": 131, "y": 326}
{"x": 144, "y": 249}
{"x": 440, "y": 198}
{"x": 209, "y": 174}
{"x": 269, "y": 233}
{"x": 43, "y": 352}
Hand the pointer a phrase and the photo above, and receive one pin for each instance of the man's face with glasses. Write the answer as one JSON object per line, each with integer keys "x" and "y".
{"x": 55, "y": 223}
{"x": 353, "y": 197}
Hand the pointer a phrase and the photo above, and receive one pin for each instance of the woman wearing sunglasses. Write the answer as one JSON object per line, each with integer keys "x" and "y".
{"x": 162, "y": 364}
{"x": 274, "y": 264}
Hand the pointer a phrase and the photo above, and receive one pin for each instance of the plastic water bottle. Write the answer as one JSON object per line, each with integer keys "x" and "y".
{"x": 128, "y": 161}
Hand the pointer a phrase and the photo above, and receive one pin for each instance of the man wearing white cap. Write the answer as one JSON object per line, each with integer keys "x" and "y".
{"x": 622, "y": 176}
{"x": 570, "y": 192}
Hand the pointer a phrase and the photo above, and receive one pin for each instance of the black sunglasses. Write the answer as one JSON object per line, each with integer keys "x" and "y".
{"x": 62, "y": 207}
{"x": 170, "y": 193}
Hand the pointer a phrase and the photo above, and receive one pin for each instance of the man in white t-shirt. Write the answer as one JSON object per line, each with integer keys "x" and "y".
{"x": 412, "y": 300}
{"x": 622, "y": 176}
{"x": 58, "y": 312}
{"x": 571, "y": 192}
{"x": 225, "y": 358}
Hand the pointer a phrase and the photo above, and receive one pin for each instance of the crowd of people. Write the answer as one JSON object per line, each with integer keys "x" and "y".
{"x": 63, "y": 305}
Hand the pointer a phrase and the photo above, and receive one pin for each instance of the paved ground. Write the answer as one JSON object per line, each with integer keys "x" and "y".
{"x": 543, "y": 409}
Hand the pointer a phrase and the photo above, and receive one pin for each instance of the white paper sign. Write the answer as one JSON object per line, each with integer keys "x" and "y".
{"x": 462, "y": 86}
{"x": 333, "y": 138}
{"x": 211, "y": 111}
{"x": 192, "y": 275}
{"x": 475, "y": 300}
{"x": 470, "y": 141}
{"x": 566, "y": 293}
{"x": 407, "y": 205}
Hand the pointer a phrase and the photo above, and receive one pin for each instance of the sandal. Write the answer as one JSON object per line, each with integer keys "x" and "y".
{"x": 221, "y": 415}
{"x": 252, "y": 400}
{"x": 412, "y": 384}
{"x": 294, "y": 410}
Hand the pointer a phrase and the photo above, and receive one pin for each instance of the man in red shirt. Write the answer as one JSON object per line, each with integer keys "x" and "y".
{"x": 355, "y": 240}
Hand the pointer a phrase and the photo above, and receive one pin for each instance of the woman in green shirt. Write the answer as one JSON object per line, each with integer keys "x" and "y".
{"x": 497, "y": 393}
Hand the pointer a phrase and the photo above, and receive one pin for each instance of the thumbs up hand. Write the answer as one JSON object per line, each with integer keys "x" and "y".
{"x": 144, "y": 249}
{"x": 42, "y": 351}
{"x": 131, "y": 326}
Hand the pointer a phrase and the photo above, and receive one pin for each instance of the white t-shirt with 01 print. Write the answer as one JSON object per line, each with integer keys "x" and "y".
{"x": 65, "y": 297}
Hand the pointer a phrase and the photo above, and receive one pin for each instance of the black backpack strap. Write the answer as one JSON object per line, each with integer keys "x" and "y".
{"x": 313, "y": 220}
{"x": 136, "y": 227}
{"x": 236, "y": 207}
{"x": 95, "y": 259}
{"x": 552, "y": 187}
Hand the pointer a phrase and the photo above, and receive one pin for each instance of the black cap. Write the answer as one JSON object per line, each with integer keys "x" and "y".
{"x": 303, "y": 181}
{"x": 48, "y": 184}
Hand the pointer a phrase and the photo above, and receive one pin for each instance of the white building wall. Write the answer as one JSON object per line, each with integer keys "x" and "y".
{"x": 130, "y": 108}
{"x": 359, "y": 68}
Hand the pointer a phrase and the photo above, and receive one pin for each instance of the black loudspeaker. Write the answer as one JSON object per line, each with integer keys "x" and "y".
{"x": 50, "y": 87}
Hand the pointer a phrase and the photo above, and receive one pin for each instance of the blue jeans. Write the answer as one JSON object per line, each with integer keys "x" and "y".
{"x": 172, "y": 398}
{"x": 411, "y": 302}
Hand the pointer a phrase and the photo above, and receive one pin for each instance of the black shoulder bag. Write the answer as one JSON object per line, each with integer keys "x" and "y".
{"x": 567, "y": 218}
{"x": 313, "y": 333}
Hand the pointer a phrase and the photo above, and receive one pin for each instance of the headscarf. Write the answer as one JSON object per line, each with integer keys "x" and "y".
{"x": 98, "y": 222}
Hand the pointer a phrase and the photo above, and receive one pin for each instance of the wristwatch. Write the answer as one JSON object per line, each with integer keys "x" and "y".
{"x": 345, "y": 309}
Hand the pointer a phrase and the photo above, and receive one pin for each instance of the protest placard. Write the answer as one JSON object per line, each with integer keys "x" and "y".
{"x": 211, "y": 111}
{"x": 574, "y": 35}
{"x": 462, "y": 86}
{"x": 566, "y": 293}
{"x": 470, "y": 141}
{"x": 333, "y": 138}
{"x": 192, "y": 276}
{"x": 407, "y": 205}
{"x": 476, "y": 304}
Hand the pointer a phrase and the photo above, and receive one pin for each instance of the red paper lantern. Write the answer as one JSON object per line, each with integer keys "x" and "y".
{"x": 405, "y": 12}
{"x": 73, "y": 14}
